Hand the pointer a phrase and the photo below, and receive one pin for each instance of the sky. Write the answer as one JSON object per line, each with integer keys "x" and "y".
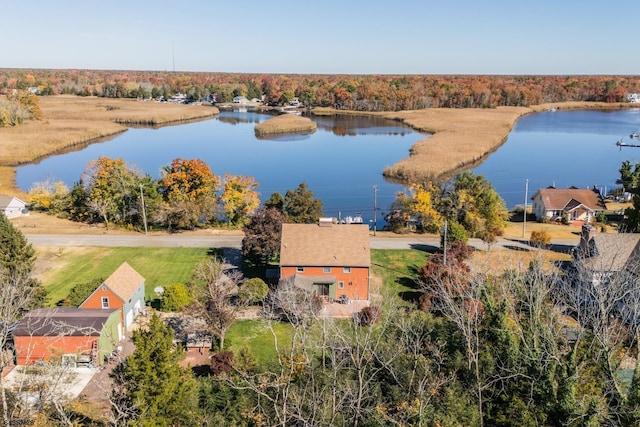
{"x": 556, "y": 37}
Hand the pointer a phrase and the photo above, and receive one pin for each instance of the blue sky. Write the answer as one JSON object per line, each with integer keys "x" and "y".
{"x": 325, "y": 37}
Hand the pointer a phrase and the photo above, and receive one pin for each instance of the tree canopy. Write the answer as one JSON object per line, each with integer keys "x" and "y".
{"x": 300, "y": 206}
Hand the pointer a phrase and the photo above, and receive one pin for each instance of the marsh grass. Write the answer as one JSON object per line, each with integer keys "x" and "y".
{"x": 71, "y": 121}
{"x": 285, "y": 123}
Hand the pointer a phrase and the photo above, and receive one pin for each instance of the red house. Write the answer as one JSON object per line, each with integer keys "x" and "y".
{"x": 67, "y": 335}
{"x": 123, "y": 290}
{"x": 331, "y": 260}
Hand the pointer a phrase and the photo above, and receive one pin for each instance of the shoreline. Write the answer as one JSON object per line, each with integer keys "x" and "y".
{"x": 458, "y": 138}
{"x": 72, "y": 122}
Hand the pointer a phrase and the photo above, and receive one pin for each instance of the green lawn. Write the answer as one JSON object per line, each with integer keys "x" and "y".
{"x": 159, "y": 266}
{"x": 257, "y": 336}
{"x": 397, "y": 269}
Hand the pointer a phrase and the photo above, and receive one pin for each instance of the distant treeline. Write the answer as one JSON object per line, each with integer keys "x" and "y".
{"x": 349, "y": 92}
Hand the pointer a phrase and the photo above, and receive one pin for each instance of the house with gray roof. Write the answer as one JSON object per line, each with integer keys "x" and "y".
{"x": 12, "y": 207}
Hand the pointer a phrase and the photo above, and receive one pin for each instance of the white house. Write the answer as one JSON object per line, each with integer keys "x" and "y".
{"x": 13, "y": 207}
{"x": 633, "y": 98}
{"x": 575, "y": 203}
{"x": 240, "y": 100}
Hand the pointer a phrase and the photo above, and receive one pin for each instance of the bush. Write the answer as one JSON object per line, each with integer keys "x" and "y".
{"x": 175, "y": 297}
{"x": 540, "y": 239}
{"x": 601, "y": 217}
{"x": 367, "y": 316}
{"x": 253, "y": 291}
{"x": 221, "y": 362}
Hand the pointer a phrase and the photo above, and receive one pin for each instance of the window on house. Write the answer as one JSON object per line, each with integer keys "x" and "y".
{"x": 346, "y": 269}
{"x": 340, "y": 285}
{"x": 104, "y": 287}
{"x": 326, "y": 269}
{"x": 300, "y": 269}
{"x": 105, "y": 302}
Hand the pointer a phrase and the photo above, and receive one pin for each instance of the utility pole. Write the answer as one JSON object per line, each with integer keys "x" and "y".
{"x": 375, "y": 208}
{"x": 444, "y": 259}
{"x": 144, "y": 210}
{"x": 524, "y": 215}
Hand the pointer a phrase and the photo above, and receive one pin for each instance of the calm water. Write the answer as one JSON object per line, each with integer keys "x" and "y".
{"x": 340, "y": 162}
{"x": 562, "y": 148}
{"x": 344, "y": 159}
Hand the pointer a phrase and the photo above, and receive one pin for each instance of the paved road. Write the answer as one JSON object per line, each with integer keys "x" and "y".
{"x": 235, "y": 242}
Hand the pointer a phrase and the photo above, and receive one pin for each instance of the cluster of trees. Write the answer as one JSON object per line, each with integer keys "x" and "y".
{"x": 18, "y": 106}
{"x": 19, "y": 292}
{"x": 525, "y": 347}
{"x": 468, "y": 205}
{"x": 187, "y": 195}
{"x": 353, "y": 92}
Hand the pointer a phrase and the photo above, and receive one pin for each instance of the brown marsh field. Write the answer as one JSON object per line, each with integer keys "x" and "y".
{"x": 459, "y": 137}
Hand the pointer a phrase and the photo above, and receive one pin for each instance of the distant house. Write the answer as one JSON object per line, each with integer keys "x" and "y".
{"x": 240, "y": 100}
{"x": 67, "y": 335}
{"x": 330, "y": 260}
{"x": 633, "y": 98}
{"x": 178, "y": 98}
{"x": 124, "y": 290}
{"x": 577, "y": 204}
{"x": 13, "y": 207}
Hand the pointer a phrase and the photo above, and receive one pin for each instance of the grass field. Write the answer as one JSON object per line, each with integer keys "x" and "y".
{"x": 68, "y": 267}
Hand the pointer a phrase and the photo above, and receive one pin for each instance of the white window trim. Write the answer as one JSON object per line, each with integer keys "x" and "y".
{"x": 346, "y": 269}
{"x": 103, "y": 301}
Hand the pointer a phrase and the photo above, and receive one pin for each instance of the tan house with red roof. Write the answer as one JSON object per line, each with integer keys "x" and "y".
{"x": 124, "y": 289}
{"x": 576, "y": 203}
{"x": 330, "y": 260}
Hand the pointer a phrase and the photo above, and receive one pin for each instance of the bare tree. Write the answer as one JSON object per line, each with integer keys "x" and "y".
{"x": 215, "y": 303}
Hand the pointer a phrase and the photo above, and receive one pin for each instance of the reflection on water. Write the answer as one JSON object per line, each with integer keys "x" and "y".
{"x": 340, "y": 171}
{"x": 563, "y": 149}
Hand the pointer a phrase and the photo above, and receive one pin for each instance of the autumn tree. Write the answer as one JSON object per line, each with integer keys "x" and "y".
{"x": 239, "y": 198}
{"x": 113, "y": 190}
{"x": 300, "y": 206}
{"x": 150, "y": 388}
{"x": 261, "y": 241}
{"x": 471, "y": 201}
{"x": 49, "y": 196}
{"x": 189, "y": 190}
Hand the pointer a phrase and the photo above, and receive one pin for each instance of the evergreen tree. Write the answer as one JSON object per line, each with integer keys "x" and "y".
{"x": 150, "y": 388}
{"x": 300, "y": 207}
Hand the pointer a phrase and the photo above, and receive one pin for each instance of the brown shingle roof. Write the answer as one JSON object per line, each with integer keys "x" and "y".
{"x": 334, "y": 245}
{"x": 62, "y": 321}
{"x": 559, "y": 198}
{"x": 124, "y": 281}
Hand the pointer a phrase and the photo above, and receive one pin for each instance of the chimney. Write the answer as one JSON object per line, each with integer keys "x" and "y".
{"x": 586, "y": 234}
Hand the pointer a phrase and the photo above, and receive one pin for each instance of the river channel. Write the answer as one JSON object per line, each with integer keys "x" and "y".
{"x": 342, "y": 162}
